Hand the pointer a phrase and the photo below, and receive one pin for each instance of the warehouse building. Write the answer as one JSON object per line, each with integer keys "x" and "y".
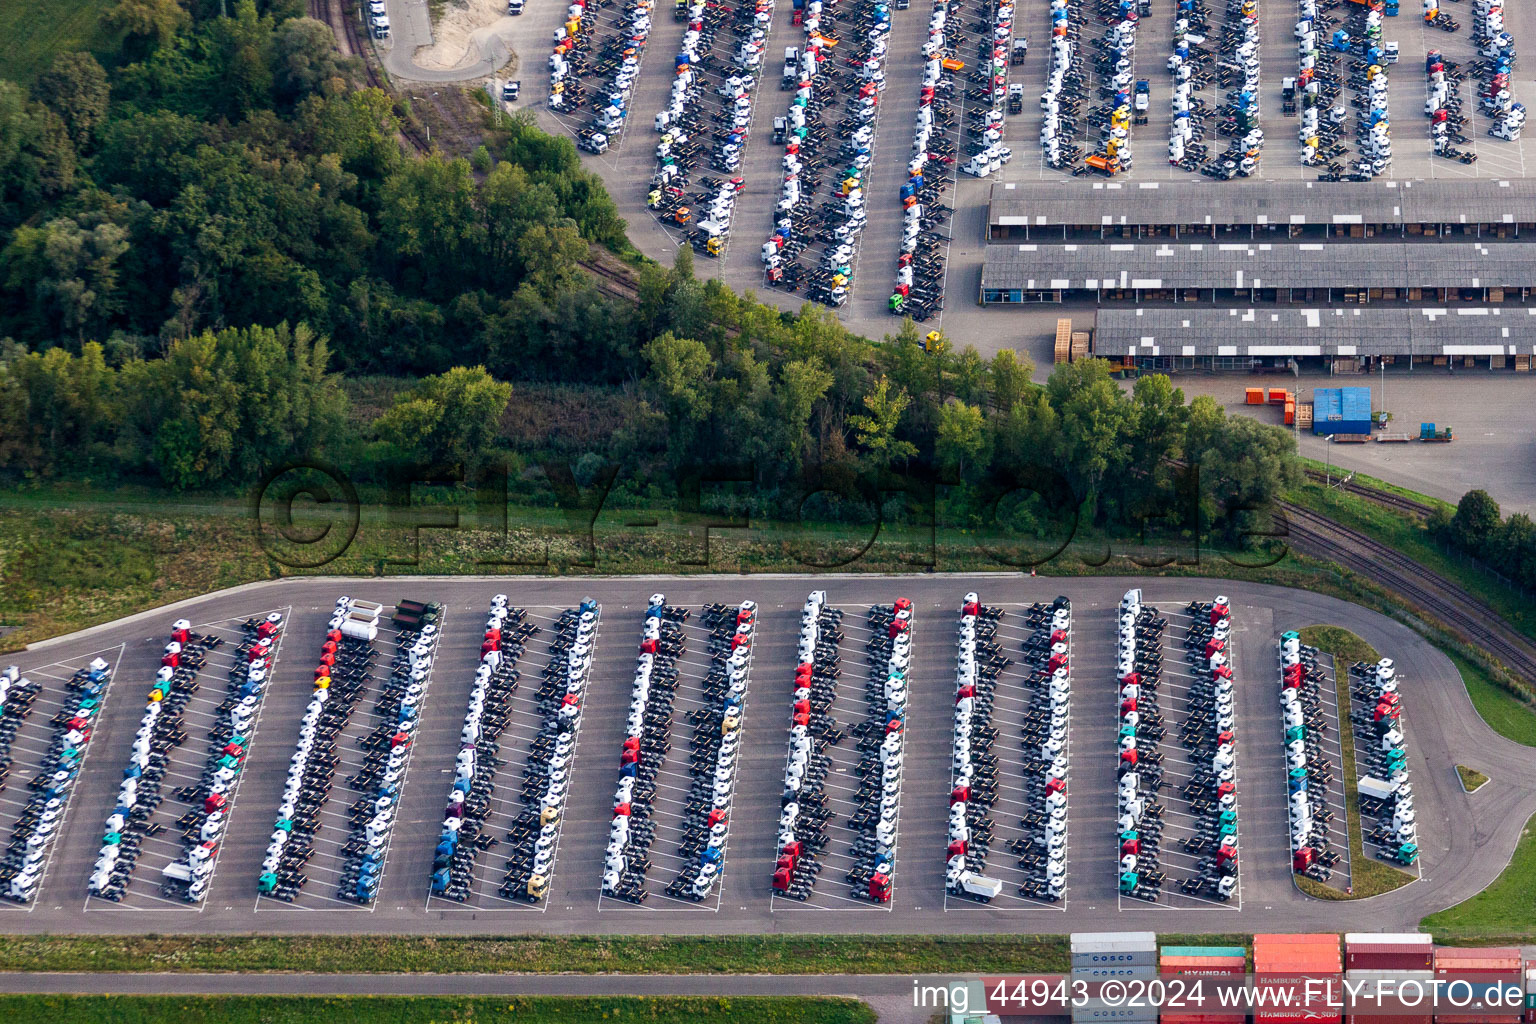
{"x": 1343, "y": 338}
{"x": 1486, "y": 209}
{"x": 1311, "y": 272}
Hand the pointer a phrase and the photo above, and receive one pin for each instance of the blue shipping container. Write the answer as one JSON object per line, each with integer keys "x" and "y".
{"x": 1341, "y": 411}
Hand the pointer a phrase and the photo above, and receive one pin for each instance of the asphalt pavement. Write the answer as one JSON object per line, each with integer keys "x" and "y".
{"x": 1466, "y": 844}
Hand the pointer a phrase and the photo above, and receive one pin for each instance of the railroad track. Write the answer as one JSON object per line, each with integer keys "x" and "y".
{"x": 1458, "y": 610}
{"x": 1398, "y": 502}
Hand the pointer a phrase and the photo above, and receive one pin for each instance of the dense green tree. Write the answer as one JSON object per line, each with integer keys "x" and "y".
{"x": 875, "y": 428}
{"x": 75, "y": 88}
{"x": 1009, "y": 378}
{"x": 305, "y": 59}
{"x": 1517, "y": 540}
{"x": 37, "y": 159}
{"x": 1476, "y": 522}
{"x": 430, "y": 225}
{"x": 228, "y": 406}
{"x": 1094, "y": 416}
{"x": 1025, "y": 433}
{"x": 962, "y": 437}
{"x": 802, "y": 384}
{"x": 450, "y": 420}
{"x": 146, "y": 23}
{"x": 1243, "y": 472}
{"x": 55, "y": 408}
{"x": 67, "y": 273}
{"x": 681, "y": 371}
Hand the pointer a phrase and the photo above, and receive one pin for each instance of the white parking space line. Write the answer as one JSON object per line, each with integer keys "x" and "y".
{"x": 1181, "y": 825}
{"x": 37, "y": 717}
{"x": 1014, "y": 700}
{"x": 507, "y": 805}
{"x": 842, "y": 783}
{"x": 141, "y": 883}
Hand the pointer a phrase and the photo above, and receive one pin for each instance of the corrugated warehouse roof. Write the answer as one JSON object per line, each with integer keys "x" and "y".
{"x": 1241, "y": 265}
{"x": 1334, "y": 331}
{"x": 1475, "y": 201}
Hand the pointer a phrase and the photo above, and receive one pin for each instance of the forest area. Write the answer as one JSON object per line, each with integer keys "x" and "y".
{"x": 216, "y": 257}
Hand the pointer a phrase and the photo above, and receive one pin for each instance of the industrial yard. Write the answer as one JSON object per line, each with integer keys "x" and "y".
{"x": 433, "y": 540}
{"x": 1302, "y": 234}
{"x": 416, "y": 886}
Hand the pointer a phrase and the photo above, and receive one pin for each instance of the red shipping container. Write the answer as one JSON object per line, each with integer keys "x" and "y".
{"x": 1388, "y": 956}
{"x": 1408, "y": 952}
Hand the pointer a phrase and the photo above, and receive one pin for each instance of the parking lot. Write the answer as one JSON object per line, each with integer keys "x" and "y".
{"x": 847, "y": 798}
{"x": 33, "y": 742}
{"x": 165, "y": 838}
{"x": 630, "y": 164}
{"x": 742, "y": 900}
{"x": 329, "y": 884}
{"x": 1326, "y": 767}
{"x": 1374, "y": 761}
{"x": 1187, "y": 825}
{"x": 675, "y": 810}
{"x": 1017, "y": 833}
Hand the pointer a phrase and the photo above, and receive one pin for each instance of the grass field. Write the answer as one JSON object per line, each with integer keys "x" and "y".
{"x": 33, "y": 33}
{"x": 1472, "y": 780}
{"x": 72, "y": 556}
{"x": 434, "y": 1009}
{"x": 639, "y": 954}
{"x": 1501, "y": 911}
{"x": 1506, "y": 714}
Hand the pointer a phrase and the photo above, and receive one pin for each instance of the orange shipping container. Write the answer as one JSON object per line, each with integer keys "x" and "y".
{"x": 1477, "y": 965}
{"x": 1254, "y": 396}
{"x": 1277, "y": 396}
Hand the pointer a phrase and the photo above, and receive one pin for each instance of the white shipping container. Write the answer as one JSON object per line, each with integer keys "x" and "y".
{"x": 1121, "y": 971}
{"x": 1112, "y": 942}
{"x": 1128, "y": 958}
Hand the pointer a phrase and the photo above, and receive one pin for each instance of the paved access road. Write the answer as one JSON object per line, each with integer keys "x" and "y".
{"x": 1466, "y": 841}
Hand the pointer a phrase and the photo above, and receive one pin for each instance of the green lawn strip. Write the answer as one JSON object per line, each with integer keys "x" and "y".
{"x": 1501, "y": 912}
{"x": 1367, "y": 875}
{"x": 68, "y": 563}
{"x": 639, "y": 954}
{"x": 1505, "y": 713}
{"x": 1472, "y": 780}
{"x": 435, "y": 1009}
